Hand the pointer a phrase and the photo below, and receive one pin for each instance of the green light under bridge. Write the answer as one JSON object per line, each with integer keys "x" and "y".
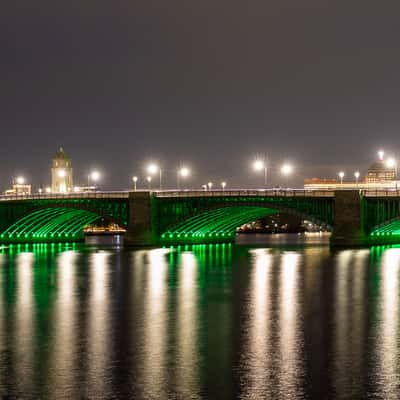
{"x": 49, "y": 225}
{"x": 390, "y": 229}
{"x": 217, "y": 225}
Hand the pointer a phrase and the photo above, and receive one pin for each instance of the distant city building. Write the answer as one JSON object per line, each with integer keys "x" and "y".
{"x": 19, "y": 189}
{"x": 327, "y": 184}
{"x": 380, "y": 175}
{"x": 61, "y": 173}
{"x": 379, "y": 172}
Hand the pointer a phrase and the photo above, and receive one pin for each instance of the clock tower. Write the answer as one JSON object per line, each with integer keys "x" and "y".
{"x": 61, "y": 173}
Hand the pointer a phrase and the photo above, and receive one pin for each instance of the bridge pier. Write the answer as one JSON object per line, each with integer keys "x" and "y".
{"x": 140, "y": 230}
{"x": 348, "y": 228}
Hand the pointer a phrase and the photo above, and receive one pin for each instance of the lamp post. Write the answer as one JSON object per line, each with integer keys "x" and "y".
{"x": 93, "y": 176}
{"x": 392, "y": 163}
{"x": 357, "y": 176}
{"x": 183, "y": 172}
{"x": 260, "y": 165}
{"x": 286, "y": 170}
{"x": 223, "y": 184}
{"x": 149, "y": 182}
{"x": 204, "y": 187}
{"x": 152, "y": 169}
{"x": 135, "y": 179}
{"x": 341, "y": 176}
{"x": 20, "y": 180}
{"x": 209, "y": 184}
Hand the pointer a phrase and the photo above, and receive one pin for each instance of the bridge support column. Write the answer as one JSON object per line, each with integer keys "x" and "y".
{"x": 348, "y": 230}
{"x": 140, "y": 230}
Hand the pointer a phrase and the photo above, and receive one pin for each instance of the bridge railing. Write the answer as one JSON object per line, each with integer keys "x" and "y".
{"x": 381, "y": 193}
{"x": 70, "y": 196}
{"x": 183, "y": 193}
{"x": 245, "y": 193}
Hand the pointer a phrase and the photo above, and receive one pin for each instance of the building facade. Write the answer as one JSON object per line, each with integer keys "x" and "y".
{"x": 380, "y": 175}
{"x": 61, "y": 173}
{"x": 379, "y": 172}
{"x": 19, "y": 189}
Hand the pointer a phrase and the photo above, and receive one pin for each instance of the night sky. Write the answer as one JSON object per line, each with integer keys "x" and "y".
{"x": 210, "y": 83}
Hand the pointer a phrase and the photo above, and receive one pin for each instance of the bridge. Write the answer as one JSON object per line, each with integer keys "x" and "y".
{"x": 357, "y": 218}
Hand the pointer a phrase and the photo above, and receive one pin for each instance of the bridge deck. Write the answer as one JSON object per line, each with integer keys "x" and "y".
{"x": 197, "y": 193}
{"x": 244, "y": 193}
{"x": 381, "y": 193}
{"x": 69, "y": 196}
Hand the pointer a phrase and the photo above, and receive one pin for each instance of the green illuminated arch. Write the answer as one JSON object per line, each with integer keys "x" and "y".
{"x": 50, "y": 224}
{"x": 214, "y": 225}
{"x": 391, "y": 228}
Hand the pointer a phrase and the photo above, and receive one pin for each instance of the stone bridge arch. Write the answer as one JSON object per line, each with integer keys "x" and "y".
{"x": 49, "y": 220}
{"x": 213, "y": 219}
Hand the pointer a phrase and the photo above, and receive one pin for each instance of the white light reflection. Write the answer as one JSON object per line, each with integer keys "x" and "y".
{"x": 99, "y": 329}
{"x": 187, "y": 315}
{"x": 349, "y": 321}
{"x": 4, "y": 334}
{"x": 341, "y": 296}
{"x": 388, "y": 329}
{"x": 291, "y": 339}
{"x": 257, "y": 361}
{"x": 24, "y": 315}
{"x": 156, "y": 321}
{"x": 66, "y": 329}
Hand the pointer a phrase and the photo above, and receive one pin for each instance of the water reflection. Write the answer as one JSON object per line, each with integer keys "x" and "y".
{"x": 273, "y": 355}
{"x": 257, "y": 361}
{"x": 155, "y": 325}
{"x": 24, "y": 323}
{"x": 3, "y": 321}
{"x": 388, "y": 371}
{"x": 351, "y": 313}
{"x": 98, "y": 333}
{"x": 187, "y": 362}
{"x": 65, "y": 323}
{"x": 199, "y": 322}
{"x": 291, "y": 338}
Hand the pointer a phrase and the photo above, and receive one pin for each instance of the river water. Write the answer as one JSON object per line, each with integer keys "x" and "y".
{"x": 283, "y": 319}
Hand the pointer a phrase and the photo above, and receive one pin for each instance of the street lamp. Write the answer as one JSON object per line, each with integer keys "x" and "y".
{"x": 392, "y": 163}
{"x": 259, "y": 165}
{"x": 183, "y": 172}
{"x": 152, "y": 169}
{"x": 204, "y": 187}
{"x": 223, "y": 184}
{"x": 357, "y": 175}
{"x": 135, "y": 179}
{"x": 341, "y": 176}
{"x": 20, "y": 180}
{"x": 93, "y": 176}
{"x": 149, "y": 181}
{"x": 209, "y": 184}
{"x": 286, "y": 170}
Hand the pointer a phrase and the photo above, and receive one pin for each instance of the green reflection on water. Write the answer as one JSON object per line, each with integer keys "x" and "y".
{"x": 187, "y": 319}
